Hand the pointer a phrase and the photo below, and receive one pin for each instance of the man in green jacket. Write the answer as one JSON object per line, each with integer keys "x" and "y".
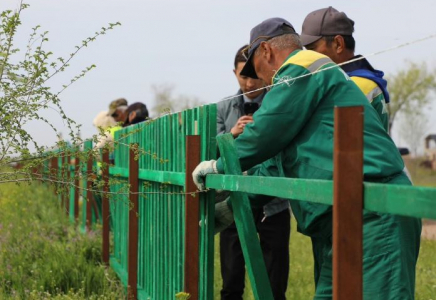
{"x": 296, "y": 121}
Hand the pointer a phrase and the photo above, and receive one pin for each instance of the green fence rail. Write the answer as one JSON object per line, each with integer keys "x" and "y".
{"x": 162, "y": 269}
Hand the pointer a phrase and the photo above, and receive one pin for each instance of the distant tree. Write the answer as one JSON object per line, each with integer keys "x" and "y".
{"x": 166, "y": 102}
{"x": 413, "y": 127}
{"x": 410, "y": 90}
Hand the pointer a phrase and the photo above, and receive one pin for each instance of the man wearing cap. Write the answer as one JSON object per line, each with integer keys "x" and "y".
{"x": 117, "y": 109}
{"x": 330, "y": 32}
{"x": 272, "y": 221}
{"x": 296, "y": 121}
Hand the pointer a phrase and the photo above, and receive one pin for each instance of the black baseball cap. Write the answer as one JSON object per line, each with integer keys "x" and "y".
{"x": 264, "y": 31}
{"x": 325, "y": 22}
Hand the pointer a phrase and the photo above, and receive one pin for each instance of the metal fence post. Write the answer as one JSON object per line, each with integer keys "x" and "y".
{"x": 54, "y": 172}
{"x": 105, "y": 206}
{"x": 89, "y": 192}
{"x": 132, "y": 288}
{"x": 68, "y": 187}
{"x": 192, "y": 218}
{"x": 348, "y": 203}
{"x": 77, "y": 174}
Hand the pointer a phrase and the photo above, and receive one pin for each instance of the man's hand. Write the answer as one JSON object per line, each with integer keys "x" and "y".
{"x": 204, "y": 168}
{"x": 239, "y": 126}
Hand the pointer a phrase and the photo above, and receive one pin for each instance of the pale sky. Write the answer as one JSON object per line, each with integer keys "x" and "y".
{"x": 191, "y": 45}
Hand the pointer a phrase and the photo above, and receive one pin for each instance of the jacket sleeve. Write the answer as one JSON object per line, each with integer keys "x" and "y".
{"x": 267, "y": 169}
{"x": 284, "y": 112}
{"x": 220, "y": 125}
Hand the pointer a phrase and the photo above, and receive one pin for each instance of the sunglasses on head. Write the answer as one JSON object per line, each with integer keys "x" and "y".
{"x": 245, "y": 51}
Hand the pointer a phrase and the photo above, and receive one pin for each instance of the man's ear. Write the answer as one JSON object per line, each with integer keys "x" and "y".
{"x": 265, "y": 50}
{"x": 132, "y": 116}
{"x": 234, "y": 71}
{"x": 339, "y": 45}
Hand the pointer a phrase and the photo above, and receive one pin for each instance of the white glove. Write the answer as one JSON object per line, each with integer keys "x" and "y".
{"x": 204, "y": 168}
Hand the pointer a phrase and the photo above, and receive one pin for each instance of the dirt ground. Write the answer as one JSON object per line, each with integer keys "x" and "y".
{"x": 429, "y": 230}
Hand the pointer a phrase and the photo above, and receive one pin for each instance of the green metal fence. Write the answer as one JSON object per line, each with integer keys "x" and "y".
{"x": 162, "y": 269}
{"x": 162, "y": 175}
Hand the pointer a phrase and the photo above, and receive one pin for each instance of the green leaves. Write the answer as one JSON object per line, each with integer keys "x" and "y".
{"x": 24, "y": 90}
{"x": 410, "y": 90}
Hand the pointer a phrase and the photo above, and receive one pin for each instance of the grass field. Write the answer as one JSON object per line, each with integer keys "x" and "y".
{"x": 42, "y": 256}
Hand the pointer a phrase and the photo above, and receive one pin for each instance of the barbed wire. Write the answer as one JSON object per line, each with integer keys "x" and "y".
{"x": 49, "y": 178}
{"x": 142, "y": 125}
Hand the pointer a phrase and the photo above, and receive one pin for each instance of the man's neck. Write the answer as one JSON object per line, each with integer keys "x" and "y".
{"x": 255, "y": 99}
{"x": 348, "y": 55}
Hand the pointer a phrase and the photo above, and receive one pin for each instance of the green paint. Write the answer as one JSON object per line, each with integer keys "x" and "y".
{"x": 245, "y": 224}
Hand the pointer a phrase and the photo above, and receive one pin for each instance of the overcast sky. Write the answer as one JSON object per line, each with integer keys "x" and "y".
{"x": 191, "y": 45}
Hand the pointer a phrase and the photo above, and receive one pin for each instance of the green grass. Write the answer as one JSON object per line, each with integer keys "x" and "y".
{"x": 43, "y": 256}
{"x": 420, "y": 176}
{"x": 300, "y": 283}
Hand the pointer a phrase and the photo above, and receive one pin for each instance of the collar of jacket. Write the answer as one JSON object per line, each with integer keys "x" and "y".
{"x": 238, "y": 102}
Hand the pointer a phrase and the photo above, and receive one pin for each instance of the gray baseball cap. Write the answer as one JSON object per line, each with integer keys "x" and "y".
{"x": 324, "y": 22}
{"x": 115, "y": 104}
{"x": 264, "y": 31}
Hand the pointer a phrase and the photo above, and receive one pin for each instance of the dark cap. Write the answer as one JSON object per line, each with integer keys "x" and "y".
{"x": 115, "y": 104}
{"x": 324, "y": 22}
{"x": 264, "y": 31}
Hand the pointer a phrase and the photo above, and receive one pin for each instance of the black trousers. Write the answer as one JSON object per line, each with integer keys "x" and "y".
{"x": 274, "y": 235}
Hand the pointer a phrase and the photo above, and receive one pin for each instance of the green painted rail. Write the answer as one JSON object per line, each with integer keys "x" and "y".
{"x": 411, "y": 201}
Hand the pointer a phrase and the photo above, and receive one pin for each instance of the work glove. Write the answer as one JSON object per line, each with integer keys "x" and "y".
{"x": 200, "y": 172}
{"x": 223, "y": 216}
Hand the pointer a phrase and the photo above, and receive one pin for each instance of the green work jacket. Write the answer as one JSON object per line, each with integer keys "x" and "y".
{"x": 296, "y": 121}
{"x": 375, "y": 96}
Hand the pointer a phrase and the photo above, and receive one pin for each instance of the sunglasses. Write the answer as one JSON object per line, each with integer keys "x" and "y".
{"x": 245, "y": 51}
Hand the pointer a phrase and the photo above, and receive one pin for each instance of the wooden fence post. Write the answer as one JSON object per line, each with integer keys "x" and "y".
{"x": 89, "y": 174}
{"x": 68, "y": 187}
{"x": 132, "y": 280}
{"x": 77, "y": 174}
{"x": 348, "y": 203}
{"x": 54, "y": 172}
{"x": 105, "y": 206}
{"x": 192, "y": 218}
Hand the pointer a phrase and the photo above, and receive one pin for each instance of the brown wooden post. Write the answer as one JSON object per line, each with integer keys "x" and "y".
{"x": 192, "y": 218}
{"x": 77, "y": 173}
{"x": 54, "y": 172}
{"x": 68, "y": 177}
{"x": 105, "y": 206}
{"x": 61, "y": 177}
{"x": 132, "y": 281}
{"x": 89, "y": 199}
{"x": 65, "y": 194}
{"x": 348, "y": 203}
